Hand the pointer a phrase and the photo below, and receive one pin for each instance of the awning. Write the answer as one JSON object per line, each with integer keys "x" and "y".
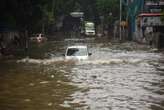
{"x": 150, "y": 14}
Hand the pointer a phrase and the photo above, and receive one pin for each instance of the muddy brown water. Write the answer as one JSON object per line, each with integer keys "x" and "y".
{"x": 123, "y": 76}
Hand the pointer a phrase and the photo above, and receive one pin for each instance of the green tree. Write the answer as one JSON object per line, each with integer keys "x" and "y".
{"x": 109, "y": 9}
{"x": 33, "y": 14}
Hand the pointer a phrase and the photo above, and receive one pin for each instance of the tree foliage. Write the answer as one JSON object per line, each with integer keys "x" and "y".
{"x": 109, "y": 9}
{"x": 31, "y": 14}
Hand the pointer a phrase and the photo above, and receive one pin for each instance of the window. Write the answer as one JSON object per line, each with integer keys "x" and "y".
{"x": 77, "y": 52}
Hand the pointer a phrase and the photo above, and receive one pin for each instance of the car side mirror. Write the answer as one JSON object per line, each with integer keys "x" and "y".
{"x": 90, "y": 54}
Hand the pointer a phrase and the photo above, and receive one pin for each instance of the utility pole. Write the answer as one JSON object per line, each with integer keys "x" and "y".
{"x": 120, "y": 19}
{"x": 127, "y": 4}
{"x": 127, "y": 19}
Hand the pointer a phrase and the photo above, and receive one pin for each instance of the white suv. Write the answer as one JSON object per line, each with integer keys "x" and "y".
{"x": 77, "y": 52}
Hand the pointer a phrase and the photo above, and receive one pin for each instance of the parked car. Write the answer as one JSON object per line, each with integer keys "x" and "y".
{"x": 77, "y": 52}
{"x": 38, "y": 38}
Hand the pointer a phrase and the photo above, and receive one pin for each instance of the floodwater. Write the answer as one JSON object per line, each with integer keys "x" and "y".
{"x": 123, "y": 76}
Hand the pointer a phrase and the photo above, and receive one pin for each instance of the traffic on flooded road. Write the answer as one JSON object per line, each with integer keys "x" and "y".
{"x": 124, "y": 76}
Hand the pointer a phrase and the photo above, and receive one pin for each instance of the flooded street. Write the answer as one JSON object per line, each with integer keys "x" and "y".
{"x": 123, "y": 76}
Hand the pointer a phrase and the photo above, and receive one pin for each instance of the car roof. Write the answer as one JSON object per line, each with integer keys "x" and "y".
{"x": 78, "y": 46}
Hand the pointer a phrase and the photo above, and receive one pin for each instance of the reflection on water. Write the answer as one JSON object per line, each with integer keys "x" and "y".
{"x": 33, "y": 87}
{"x": 116, "y": 77}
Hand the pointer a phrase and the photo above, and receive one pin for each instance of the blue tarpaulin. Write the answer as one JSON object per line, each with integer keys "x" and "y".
{"x": 134, "y": 8}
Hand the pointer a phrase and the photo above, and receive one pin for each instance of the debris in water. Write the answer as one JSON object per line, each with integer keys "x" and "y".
{"x": 27, "y": 100}
{"x": 44, "y": 82}
{"x": 50, "y": 104}
{"x": 52, "y": 76}
{"x": 31, "y": 84}
{"x": 65, "y": 104}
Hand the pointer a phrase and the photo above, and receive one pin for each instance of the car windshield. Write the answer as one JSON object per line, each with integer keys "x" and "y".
{"x": 76, "y": 52}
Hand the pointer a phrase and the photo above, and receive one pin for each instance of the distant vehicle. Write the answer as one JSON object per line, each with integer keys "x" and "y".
{"x": 38, "y": 38}
{"x": 90, "y": 29}
{"x": 77, "y": 53}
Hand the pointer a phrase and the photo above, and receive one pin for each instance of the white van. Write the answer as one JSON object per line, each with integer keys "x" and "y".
{"x": 77, "y": 52}
{"x": 90, "y": 29}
